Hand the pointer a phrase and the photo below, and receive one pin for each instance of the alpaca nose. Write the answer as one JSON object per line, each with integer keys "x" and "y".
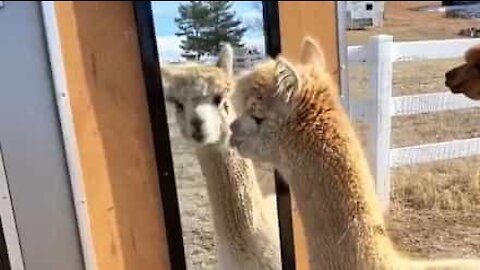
{"x": 234, "y": 127}
{"x": 197, "y": 129}
{"x": 196, "y": 123}
{"x": 449, "y": 76}
{"x": 450, "y": 81}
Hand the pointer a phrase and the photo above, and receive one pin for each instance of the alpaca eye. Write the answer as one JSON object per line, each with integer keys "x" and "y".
{"x": 217, "y": 99}
{"x": 179, "y": 106}
{"x": 257, "y": 120}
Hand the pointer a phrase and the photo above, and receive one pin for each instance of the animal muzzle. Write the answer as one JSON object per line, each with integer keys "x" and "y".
{"x": 235, "y": 138}
{"x": 197, "y": 133}
{"x": 452, "y": 82}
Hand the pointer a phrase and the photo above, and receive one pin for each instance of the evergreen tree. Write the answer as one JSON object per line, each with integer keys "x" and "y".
{"x": 225, "y": 27}
{"x": 193, "y": 23}
{"x": 205, "y": 25}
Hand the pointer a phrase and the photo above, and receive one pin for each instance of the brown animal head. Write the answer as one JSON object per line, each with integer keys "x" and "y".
{"x": 465, "y": 78}
{"x": 277, "y": 97}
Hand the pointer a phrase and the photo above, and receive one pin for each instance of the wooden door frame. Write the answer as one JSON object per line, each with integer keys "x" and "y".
{"x": 160, "y": 131}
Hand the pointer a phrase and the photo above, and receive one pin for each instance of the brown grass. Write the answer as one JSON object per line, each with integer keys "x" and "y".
{"x": 451, "y": 186}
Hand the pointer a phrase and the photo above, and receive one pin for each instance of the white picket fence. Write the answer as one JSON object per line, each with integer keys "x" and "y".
{"x": 377, "y": 110}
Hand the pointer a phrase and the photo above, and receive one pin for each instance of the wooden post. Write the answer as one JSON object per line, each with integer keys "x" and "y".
{"x": 380, "y": 66}
{"x": 318, "y": 20}
{"x": 112, "y": 126}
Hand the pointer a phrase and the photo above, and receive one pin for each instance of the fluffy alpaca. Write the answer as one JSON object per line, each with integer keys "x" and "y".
{"x": 465, "y": 78}
{"x": 246, "y": 236}
{"x": 293, "y": 119}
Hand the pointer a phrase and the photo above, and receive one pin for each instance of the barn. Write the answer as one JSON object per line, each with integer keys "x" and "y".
{"x": 361, "y": 14}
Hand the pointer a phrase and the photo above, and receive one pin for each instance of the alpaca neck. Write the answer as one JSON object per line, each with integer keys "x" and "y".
{"x": 335, "y": 195}
{"x": 234, "y": 194}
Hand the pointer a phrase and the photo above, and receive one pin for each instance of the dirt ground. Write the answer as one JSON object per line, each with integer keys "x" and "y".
{"x": 435, "y": 207}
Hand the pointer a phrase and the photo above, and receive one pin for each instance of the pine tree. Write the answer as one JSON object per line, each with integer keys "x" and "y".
{"x": 225, "y": 27}
{"x": 193, "y": 23}
{"x": 205, "y": 25}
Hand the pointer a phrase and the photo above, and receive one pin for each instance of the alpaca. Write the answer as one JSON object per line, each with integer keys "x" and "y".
{"x": 246, "y": 235}
{"x": 465, "y": 78}
{"x": 292, "y": 118}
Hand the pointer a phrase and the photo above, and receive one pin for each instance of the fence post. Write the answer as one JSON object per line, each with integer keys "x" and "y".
{"x": 341, "y": 9}
{"x": 380, "y": 49}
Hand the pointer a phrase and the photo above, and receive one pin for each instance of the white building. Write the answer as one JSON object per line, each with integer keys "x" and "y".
{"x": 361, "y": 14}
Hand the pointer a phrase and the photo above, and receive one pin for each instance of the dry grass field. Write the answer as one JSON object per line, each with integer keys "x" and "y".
{"x": 435, "y": 207}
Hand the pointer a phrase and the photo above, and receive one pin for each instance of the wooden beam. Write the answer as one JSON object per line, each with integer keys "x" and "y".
{"x": 318, "y": 20}
{"x": 107, "y": 94}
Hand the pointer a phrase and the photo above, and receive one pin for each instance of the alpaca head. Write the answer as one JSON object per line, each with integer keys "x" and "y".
{"x": 199, "y": 93}
{"x": 465, "y": 78}
{"x": 271, "y": 97}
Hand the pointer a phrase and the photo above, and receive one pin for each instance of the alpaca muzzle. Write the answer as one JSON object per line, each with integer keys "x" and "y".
{"x": 452, "y": 81}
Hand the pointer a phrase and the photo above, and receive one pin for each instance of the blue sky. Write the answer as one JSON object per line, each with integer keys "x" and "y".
{"x": 164, "y": 13}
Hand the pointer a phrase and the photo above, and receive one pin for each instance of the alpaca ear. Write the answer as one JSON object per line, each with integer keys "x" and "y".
{"x": 472, "y": 56}
{"x": 225, "y": 59}
{"x": 312, "y": 54}
{"x": 287, "y": 79}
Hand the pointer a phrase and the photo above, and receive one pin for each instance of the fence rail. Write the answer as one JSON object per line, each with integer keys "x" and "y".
{"x": 435, "y": 151}
{"x": 380, "y": 106}
{"x": 430, "y": 103}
